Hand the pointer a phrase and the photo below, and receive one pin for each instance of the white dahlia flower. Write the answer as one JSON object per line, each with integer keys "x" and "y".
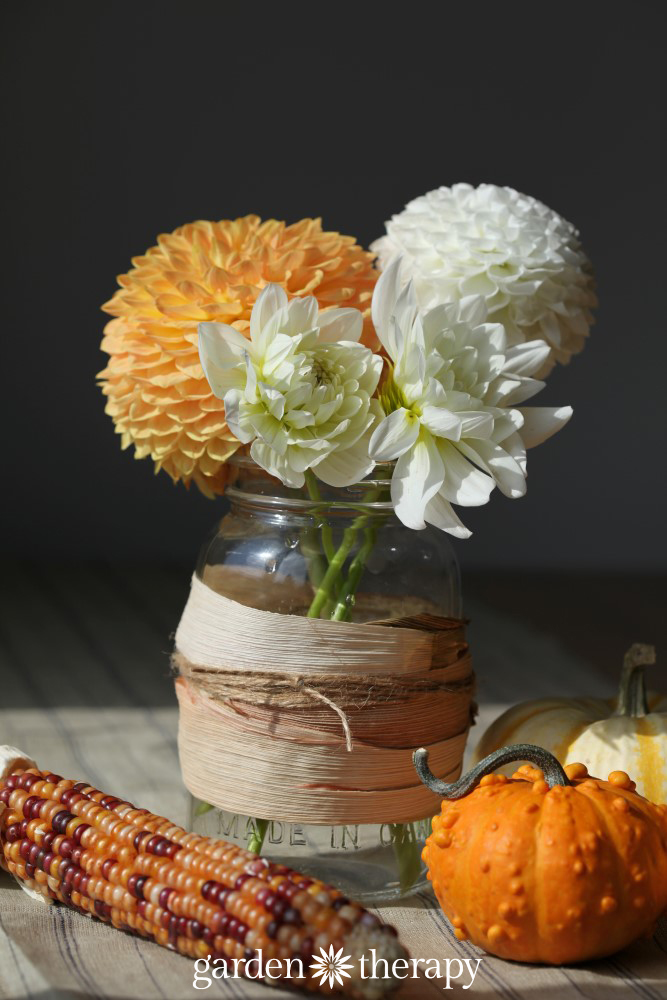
{"x": 525, "y": 259}
{"x": 452, "y": 422}
{"x": 300, "y": 389}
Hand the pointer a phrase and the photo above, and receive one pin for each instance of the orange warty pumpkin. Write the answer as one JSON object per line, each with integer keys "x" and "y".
{"x": 551, "y": 866}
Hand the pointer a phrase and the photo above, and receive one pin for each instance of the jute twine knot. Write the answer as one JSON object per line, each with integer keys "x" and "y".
{"x": 287, "y": 691}
{"x": 264, "y": 697}
{"x": 301, "y": 685}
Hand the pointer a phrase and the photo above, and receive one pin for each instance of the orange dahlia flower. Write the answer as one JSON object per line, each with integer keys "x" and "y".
{"x": 156, "y": 391}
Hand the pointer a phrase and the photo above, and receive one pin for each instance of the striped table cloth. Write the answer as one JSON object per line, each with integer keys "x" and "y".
{"x": 102, "y": 708}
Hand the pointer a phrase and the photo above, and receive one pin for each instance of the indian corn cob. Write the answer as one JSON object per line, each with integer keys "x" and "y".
{"x": 198, "y": 896}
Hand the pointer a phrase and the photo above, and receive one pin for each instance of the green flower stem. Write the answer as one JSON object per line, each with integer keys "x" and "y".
{"x": 326, "y": 592}
{"x": 325, "y": 528}
{"x": 315, "y": 561}
{"x": 342, "y": 611}
{"x": 202, "y": 808}
{"x": 408, "y": 854}
{"x": 256, "y": 838}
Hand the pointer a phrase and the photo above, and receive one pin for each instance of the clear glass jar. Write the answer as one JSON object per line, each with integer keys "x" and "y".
{"x": 271, "y": 551}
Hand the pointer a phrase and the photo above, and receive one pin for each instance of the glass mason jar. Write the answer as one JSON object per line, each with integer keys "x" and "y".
{"x": 271, "y": 551}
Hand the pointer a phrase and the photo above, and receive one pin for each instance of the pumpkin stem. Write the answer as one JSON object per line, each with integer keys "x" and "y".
{"x": 632, "y": 699}
{"x": 553, "y": 772}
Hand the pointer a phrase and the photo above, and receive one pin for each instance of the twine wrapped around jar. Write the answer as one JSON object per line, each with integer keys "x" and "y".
{"x": 303, "y": 719}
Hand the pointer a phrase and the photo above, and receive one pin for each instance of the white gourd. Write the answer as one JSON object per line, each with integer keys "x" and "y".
{"x": 627, "y": 733}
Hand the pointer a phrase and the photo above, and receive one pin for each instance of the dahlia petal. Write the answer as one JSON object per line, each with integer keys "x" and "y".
{"x": 435, "y": 395}
{"x": 406, "y": 314}
{"x": 440, "y": 514}
{"x": 395, "y": 435}
{"x": 349, "y": 406}
{"x": 183, "y": 463}
{"x": 276, "y": 465}
{"x": 347, "y": 466}
{"x": 355, "y": 363}
{"x": 418, "y": 475}
{"x": 527, "y": 358}
{"x": 221, "y": 348}
{"x": 297, "y": 419}
{"x": 514, "y": 446}
{"x": 301, "y": 458}
{"x": 250, "y": 389}
{"x": 341, "y": 427}
{"x": 179, "y": 309}
{"x": 208, "y": 466}
{"x": 277, "y": 351}
{"x": 339, "y": 294}
{"x": 318, "y": 445}
{"x": 476, "y": 423}
{"x": 464, "y": 484}
{"x": 505, "y": 423}
{"x": 269, "y": 430}
{"x": 514, "y": 390}
{"x": 340, "y": 324}
{"x": 540, "y": 422}
{"x": 301, "y": 314}
{"x": 232, "y": 415}
{"x": 493, "y": 335}
{"x": 441, "y": 422}
{"x": 326, "y": 411}
{"x": 274, "y": 325}
{"x": 273, "y": 399}
{"x": 508, "y": 474}
{"x": 473, "y": 310}
{"x": 271, "y": 300}
{"x": 371, "y": 376}
{"x": 383, "y": 307}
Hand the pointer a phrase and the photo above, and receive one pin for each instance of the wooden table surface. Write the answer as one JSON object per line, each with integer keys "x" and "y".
{"x": 85, "y": 687}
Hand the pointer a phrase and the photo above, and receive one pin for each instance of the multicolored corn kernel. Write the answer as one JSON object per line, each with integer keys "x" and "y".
{"x": 139, "y": 872}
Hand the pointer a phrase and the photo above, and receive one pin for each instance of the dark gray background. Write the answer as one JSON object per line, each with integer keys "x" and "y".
{"x": 125, "y": 120}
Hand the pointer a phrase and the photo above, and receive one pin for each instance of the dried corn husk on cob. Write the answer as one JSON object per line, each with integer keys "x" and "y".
{"x": 203, "y": 898}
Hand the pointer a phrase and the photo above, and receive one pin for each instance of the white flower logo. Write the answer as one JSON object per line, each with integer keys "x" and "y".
{"x": 331, "y": 966}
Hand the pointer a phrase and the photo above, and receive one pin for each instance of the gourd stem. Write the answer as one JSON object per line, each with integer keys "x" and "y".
{"x": 553, "y": 772}
{"x": 632, "y": 700}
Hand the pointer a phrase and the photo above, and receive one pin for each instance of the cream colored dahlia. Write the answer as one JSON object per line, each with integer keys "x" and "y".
{"x": 524, "y": 258}
{"x": 157, "y": 394}
{"x": 453, "y": 421}
{"x": 299, "y": 390}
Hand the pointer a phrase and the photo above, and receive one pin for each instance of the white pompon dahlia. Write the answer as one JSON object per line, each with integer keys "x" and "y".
{"x": 452, "y": 422}
{"x": 525, "y": 259}
{"x": 300, "y": 389}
